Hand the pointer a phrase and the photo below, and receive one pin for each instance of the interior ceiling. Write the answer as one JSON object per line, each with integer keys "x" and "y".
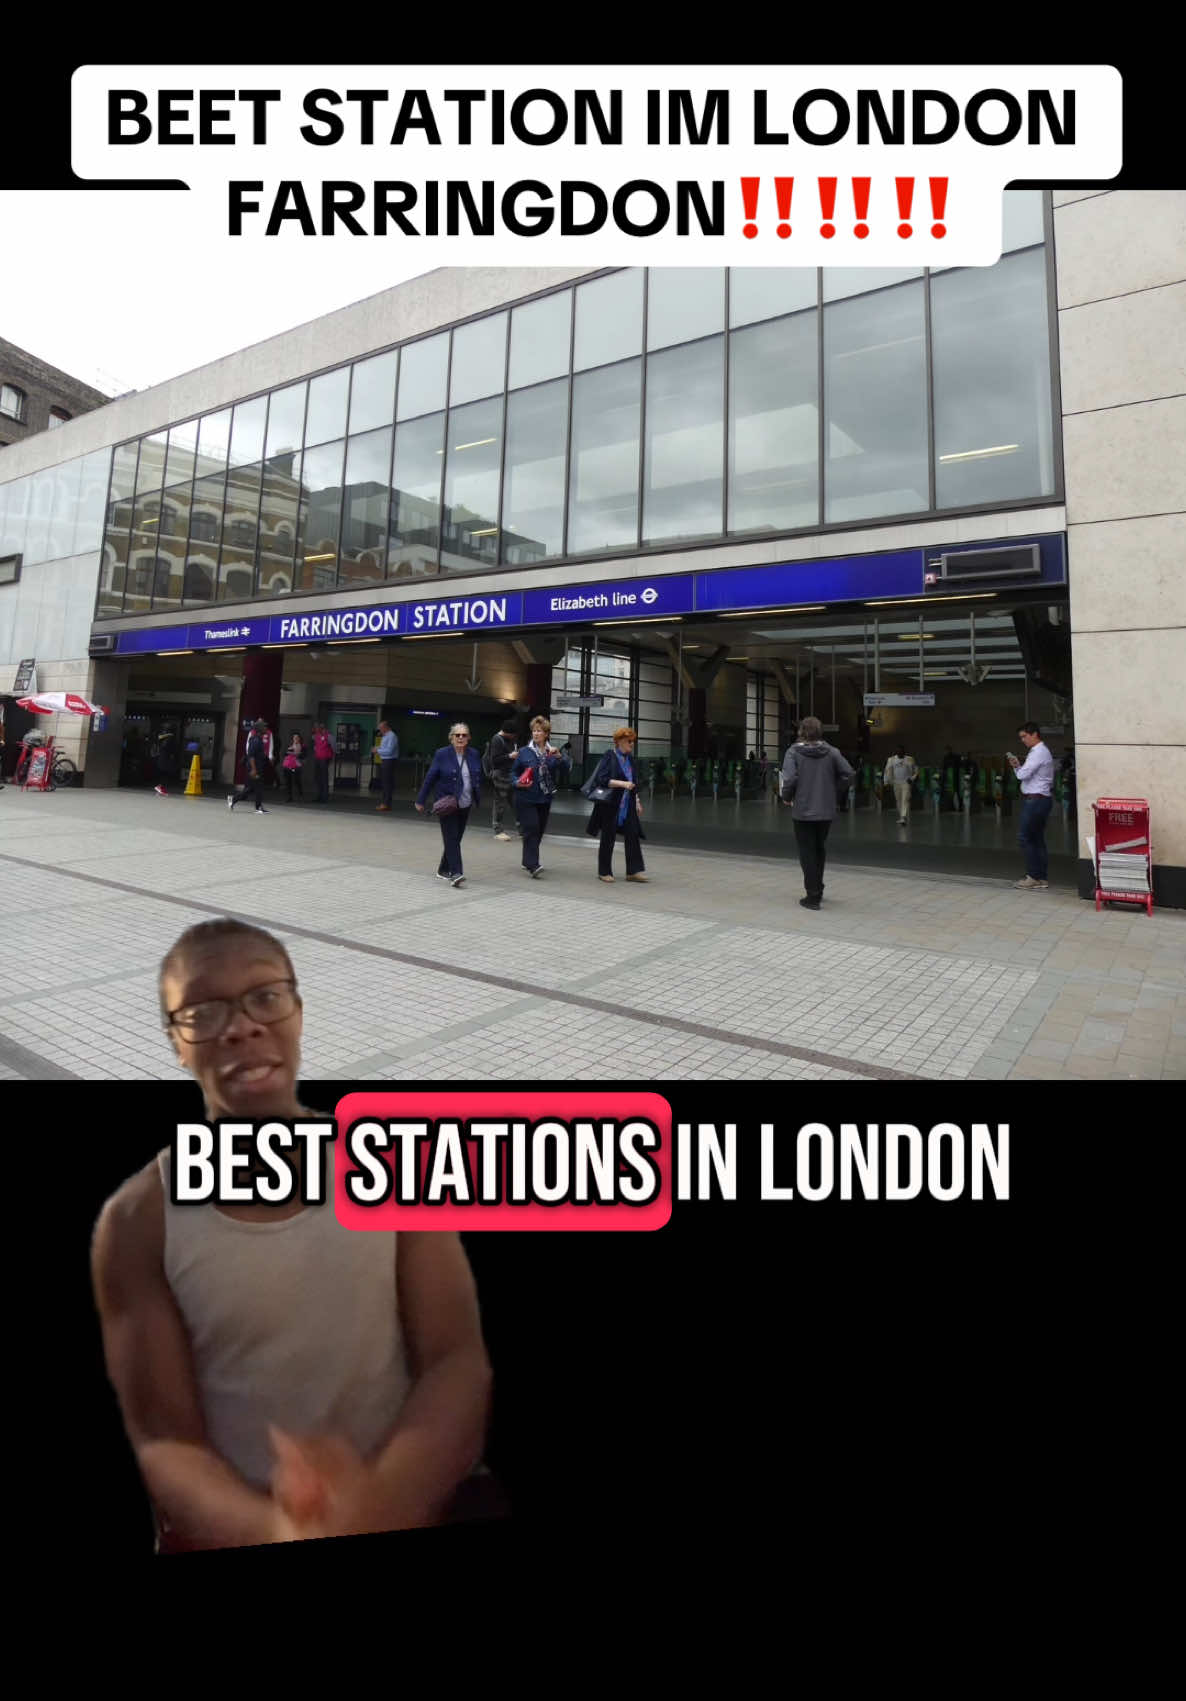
{"x": 821, "y": 640}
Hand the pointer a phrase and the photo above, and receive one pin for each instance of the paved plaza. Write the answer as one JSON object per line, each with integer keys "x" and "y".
{"x": 710, "y": 972}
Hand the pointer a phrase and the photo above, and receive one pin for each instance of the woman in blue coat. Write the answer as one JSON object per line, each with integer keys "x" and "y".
{"x": 455, "y": 772}
{"x": 617, "y": 773}
{"x": 535, "y": 778}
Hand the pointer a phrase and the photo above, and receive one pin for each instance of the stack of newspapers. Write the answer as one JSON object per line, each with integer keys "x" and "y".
{"x": 1124, "y": 867}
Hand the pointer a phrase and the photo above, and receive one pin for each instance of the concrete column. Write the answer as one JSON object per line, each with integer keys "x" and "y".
{"x": 697, "y": 722}
{"x": 1121, "y": 263}
{"x": 107, "y": 684}
{"x": 539, "y": 687}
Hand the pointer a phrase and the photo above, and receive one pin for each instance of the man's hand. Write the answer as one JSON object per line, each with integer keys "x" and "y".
{"x": 322, "y": 1486}
{"x": 420, "y": 808}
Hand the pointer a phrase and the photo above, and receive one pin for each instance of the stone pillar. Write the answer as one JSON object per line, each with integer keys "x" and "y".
{"x": 1121, "y": 259}
{"x": 263, "y": 671}
{"x": 107, "y": 684}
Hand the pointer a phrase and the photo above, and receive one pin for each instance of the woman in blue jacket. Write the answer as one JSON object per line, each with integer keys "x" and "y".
{"x": 617, "y": 773}
{"x": 535, "y": 778}
{"x": 455, "y": 772}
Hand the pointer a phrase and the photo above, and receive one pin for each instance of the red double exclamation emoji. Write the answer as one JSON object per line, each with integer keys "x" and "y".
{"x": 860, "y": 201}
{"x": 783, "y": 189}
{"x": 905, "y": 189}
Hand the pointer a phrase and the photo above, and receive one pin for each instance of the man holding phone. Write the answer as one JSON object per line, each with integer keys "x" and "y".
{"x": 1036, "y": 778}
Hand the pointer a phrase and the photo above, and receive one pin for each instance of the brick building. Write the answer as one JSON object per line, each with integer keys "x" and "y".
{"x": 35, "y": 396}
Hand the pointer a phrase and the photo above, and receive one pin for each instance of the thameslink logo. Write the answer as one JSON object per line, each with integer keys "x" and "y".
{"x": 216, "y": 634}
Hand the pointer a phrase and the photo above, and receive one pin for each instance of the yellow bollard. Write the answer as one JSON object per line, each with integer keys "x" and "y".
{"x": 193, "y": 786}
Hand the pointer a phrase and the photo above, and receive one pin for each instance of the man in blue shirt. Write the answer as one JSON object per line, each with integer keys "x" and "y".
{"x": 388, "y": 757}
{"x": 256, "y": 760}
{"x": 1036, "y": 777}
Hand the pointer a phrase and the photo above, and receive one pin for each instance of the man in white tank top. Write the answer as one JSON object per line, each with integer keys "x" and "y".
{"x": 280, "y": 1376}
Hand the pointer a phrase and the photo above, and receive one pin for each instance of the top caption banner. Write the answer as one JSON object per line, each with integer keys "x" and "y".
{"x": 795, "y": 165}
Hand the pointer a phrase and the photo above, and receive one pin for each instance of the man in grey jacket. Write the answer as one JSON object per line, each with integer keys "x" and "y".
{"x": 814, "y": 778}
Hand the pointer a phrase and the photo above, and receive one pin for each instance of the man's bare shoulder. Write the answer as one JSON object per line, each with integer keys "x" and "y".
{"x": 130, "y": 1226}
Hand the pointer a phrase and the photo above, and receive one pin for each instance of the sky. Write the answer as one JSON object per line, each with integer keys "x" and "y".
{"x": 122, "y": 307}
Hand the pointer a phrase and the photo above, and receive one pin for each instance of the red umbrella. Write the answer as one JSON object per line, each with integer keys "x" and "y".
{"x": 53, "y": 702}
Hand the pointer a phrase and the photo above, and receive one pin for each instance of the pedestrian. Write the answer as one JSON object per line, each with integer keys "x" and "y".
{"x": 256, "y": 761}
{"x": 814, "y": 777}
{"x": 901, "y": 771}
{"x": 167, "y": 761}
{"x": 1036, "y": 778}
{"x": 280, "y": 1376}
{"x": 388, "y": 757}
{"x": 496, "y": 765}
{"x": 536, "y": 774}
{"x": 950, "y": 765}
{"x": 294, "y": 761}
{"x": 613, "y": 789}
{"x": 323, "y": 755}
{"x": 455, "y": 773}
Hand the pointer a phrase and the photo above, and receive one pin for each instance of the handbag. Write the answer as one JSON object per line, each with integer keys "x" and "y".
{"x": 595, "y": 793}
{"x": 525, "y": 779}
{"x": 445, "y": 805}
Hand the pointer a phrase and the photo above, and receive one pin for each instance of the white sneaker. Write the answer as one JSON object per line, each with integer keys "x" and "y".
{"x": 260, "y": 810}
{"x": 443, "y": 877}
{"x": 1025, "y": 885}
{"x": 536, "y": 871}
{"x": 503, "y": 838}
{"x": 230, "y": 802}
{"x": 458, "y": 880}
{"x": 160, "y": 791}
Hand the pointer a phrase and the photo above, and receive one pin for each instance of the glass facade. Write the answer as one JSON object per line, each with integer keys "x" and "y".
{"x": 639, "y": 410}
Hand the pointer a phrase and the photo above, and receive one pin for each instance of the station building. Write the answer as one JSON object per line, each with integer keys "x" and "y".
{"x": 923, "y": 505}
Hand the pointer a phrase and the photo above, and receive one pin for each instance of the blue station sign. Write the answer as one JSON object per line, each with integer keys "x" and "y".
{"x": 782, "y": 585}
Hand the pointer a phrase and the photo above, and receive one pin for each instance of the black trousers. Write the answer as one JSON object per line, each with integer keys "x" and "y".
{"x": 452, "y": 829}
{"x": 253, "y": 786}
{"x": 605, "y": 847}
{"x": 292, "y": 778}
{"x": 811, "y": 837}
{"x": 387, "y": 778}
{"x": 533, "y": 821}
{"x": 322, "y": 765}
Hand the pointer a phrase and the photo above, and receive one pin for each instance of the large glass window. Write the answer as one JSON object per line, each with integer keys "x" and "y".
{"x": 609, "y": 319}
{"x": 533, "y": 495}
{"x": 214, "y": 441}
{"x": 279, "y": 522}
{"x": 479, "y": 359}
{"x": 372, "y": 392}
{"x": 767, "y": 292}
{"x": 471, "y": 486}
{"x": 41, "y": 507}
{"x": 774, "y": 425}
{"x": 416, "y": 497}
{"x": 993, "y": 428}
{"x": 65, "y": 506}
{"x": 685, "y": 446}
{"x": 423, "y": 368}
{"x": 321, "y": 502}
{"x": 875, "y": 405}
{"x": 92, "y": 492}
{"x": 603, "y": 482}
{"x": 286, "y": 422}
{"x": 364, "y": 513}
{"x": 179, "y": 460}
{"x": 683, "y": 303}
{"x": 541, "y": 333}
{"x": 247, "y": 432}
{"x": 171, "y": 540}
{"x": 326, "y": 417}
{"x": 113, "y": 569}
{"x": 236, "y": 562}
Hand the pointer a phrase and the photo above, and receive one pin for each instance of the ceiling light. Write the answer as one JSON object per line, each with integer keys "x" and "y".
{"x": 968, "y": 596}
{"x": 799, "y": 608}
{"x": 488, "y": 531}
{"x": 328, "y": 557}
{"x": 175, "y": 652}
{"x": 641, "y": 620}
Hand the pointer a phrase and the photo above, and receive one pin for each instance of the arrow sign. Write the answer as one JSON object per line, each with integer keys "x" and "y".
{"x": 473, "y": 683}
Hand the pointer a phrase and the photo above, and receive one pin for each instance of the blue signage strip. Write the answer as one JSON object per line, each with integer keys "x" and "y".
{"x": 848, "y": 579}
{"x": 618, "y": 599}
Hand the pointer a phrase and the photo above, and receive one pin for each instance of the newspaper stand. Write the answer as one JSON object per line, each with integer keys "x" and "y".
{"x": 40, "y": 767}
{"x": 1122, "y": 825}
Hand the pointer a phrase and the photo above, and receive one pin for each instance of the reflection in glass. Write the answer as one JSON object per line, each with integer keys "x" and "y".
{"x": 767, "y": 292}
{"x": 364, "y": 509}
{"x": 65, "y": 505}
{"x": 533, "y": 494}
{"x": 470, "y": 530}
{"x": 774, "y": 425}
{"x": 17, "y": 516}
{"x": 603, "y": 482}
{"x": 609, "y": 319}
{"x": 416, "y": 497}
{"x": 205, "y": 518}
{"x": 422, "y": 370}
{"x": 479, "y": 359}
{"x": 321, "y": 503}
{"x": 92, "y": 491}
{"x": 685, "y": 442}
{"x": 240, "y": 530}
{"x": 993, "y": 427}
{"x": 1021, "y": 218}
{"x": 150, "y": 473}
{"x": 875, "y": 405}
{"x": 683, "y": 303}
{"x": 842, "y": 281}
{"x": 214, "y": 440}
{"x": 326, "y": 417}
{"x": 247, "y": 432}
{"x": 541, "y": 333}
{"x": 279, "y": 526}
{"x": 146, "y": 519}
{"x": 372, "y": 392}
{"x": 286, "y": 423}
{"x": 183, "y": 446}
{"x": 171, "y": 539}
{"x": 41, "y": 504}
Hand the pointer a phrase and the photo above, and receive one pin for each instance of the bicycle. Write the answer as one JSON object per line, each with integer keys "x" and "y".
{"x": 63, "y": 773}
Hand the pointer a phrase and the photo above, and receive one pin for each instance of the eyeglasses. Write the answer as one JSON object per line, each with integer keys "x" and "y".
{"x": 463, "y": 736}
{"x": 264, "y": 1004}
